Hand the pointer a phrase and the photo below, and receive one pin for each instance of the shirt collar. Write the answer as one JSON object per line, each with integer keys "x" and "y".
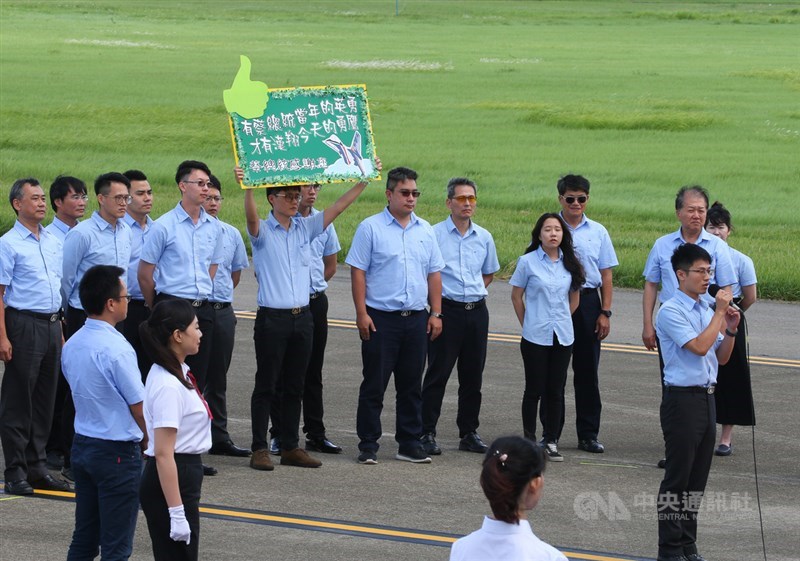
{"x": 690, "y": 303}
{"x": 183, "y": 215}
{"x": 543, "y": 256}
{"x": 389, "y": 218}
{"x": 703, "y": 236}
{"x": 492, "y": 526}
{"x": 131, "y": 221}
{"x": 102, "y": 325}
{"x": 24, "y": 232}
{"x": 101, "y": 222}
{"x": 61, "y": 225}
{"x": 451, "y": 226}
{"x": 583, "y": 221}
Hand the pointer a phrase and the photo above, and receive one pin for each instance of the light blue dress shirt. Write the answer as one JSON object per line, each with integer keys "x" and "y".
{"x": 659, "y": 265}
{"x": 93, "y": 242}
{"x": 680, "y": 320}
{"x": 745, "y": 271}
{"x": 594, "y": 249}
{"x": 183, "y": 252}
{"x": 397, "y": 261}
{"x": 466, "y": 259}
{"x": 234, "y": 258}
{"x": 30, "y": 269}
{"x": 546, "y": 284}
{"x": 100, "y": 366}
{"x": 58, "y": 228}
{"x": 323, "y": 245}
{"x": 282, "y": 258}
{"x": 501, "y": 540}
{"x": 138, "y": 235}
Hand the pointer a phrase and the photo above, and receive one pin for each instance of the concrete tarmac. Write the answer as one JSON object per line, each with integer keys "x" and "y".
{"x": 597, "y": 507}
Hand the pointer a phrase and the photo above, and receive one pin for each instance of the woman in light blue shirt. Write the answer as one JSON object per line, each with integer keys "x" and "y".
{"x": 546, "y": 285}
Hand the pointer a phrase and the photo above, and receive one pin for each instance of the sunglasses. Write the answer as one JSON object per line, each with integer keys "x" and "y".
{"x": 464, "y": 198}
{"x": 409, "y": 193}
{"x": 581, "y": 199}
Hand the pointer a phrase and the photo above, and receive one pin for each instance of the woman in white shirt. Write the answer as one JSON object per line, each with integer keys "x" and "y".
{"x": 545, "y": 292}
{"x": 512, "y": 479}
{"x": 179, "y": 430}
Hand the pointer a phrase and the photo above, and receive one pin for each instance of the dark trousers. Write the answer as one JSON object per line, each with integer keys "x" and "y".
{"x": 55, "y": 442}
{"x": 107, "y": 475}
{"x": 154, "y": 506}
{"x": 397, "y": 346}
{"x": 283, "y": 342}
{"x": 688, "y": 423}
{"x": 28, "y": 392}
{"x": 545, "y": 378}
{"x": 217, "y": 380}
{"x": 198, "y": 363}
{"x": 463, "y": 341}
{"x": 137, "y": 314}
{"x": 313, "y": 408}
{"x": 585, "y": 365}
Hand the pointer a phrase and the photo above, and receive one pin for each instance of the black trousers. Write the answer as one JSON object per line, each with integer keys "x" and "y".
{"x": 688, "y": 417}
{"x": 154, "y": 506}
{"x": 283, "y": 342}
{"x": 585, "y": 365}
{"x": 396, "y": 347}
{"x": 463, "y": 341}
{"x": 217, "y": 379}
{"x": 137, "y": 314}
{"x": 545, "y": 378}
{"x": 313, "y": 407}
{"x": 28, "y": 392}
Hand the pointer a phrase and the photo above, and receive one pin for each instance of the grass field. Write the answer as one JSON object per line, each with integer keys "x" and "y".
{"x": 639, "y": 97}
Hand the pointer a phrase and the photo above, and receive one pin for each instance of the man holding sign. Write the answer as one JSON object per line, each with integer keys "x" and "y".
{"x": 284, "y": 326}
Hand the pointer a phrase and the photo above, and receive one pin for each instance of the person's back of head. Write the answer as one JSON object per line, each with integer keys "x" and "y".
{"x": 167, "y": 317}
{"x": 509, "y": 466}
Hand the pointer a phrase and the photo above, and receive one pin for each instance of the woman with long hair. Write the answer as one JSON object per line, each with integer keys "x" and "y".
{"x": 734, "y": 393}
{"x": 512, "y": 479}
{"x": 546, "y": 291}
{"x": 179, "y": 429}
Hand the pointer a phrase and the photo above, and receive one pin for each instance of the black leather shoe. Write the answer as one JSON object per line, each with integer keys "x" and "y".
{"x": 662, "y": 463}
{"x": 472, "y": 443}
{"x": 19, "y": 487}
{"x": 228, "y": 448}
{"x": 322, "y": 445}
{"x": 671, "y": 558}
{"x": 591, "y": 445}
{"x": 50, "y": 483}
{"x": 429, "y": 444}
{"x": 209, "y": 470}
{"x": 274, "y": 446}
{"x": 694, "y": 557}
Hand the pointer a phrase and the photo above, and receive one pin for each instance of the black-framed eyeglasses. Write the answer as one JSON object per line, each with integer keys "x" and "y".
{"x": 122, "y": 199}
{"x": 409, "y": 193}
{"x": 127, "y": 297}
{"x": 199, "y": 182}
{"x": 580, "y": 198}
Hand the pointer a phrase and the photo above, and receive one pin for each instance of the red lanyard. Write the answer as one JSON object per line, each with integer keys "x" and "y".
{"x": 194, "y": 383}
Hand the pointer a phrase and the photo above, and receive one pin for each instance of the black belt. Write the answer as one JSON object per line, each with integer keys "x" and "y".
{"x": 589, "y": 290}
{"x": 405, "y": 313}
{"x": 316, "y": 295}
{"x": 196, "y": 303}
{"x": 286, "y": 311}
{"x": 220, "y": 305}
{"x": 464, "y": 305}
{"x": 51, "y": 317}
{"x": 691, "y": 389}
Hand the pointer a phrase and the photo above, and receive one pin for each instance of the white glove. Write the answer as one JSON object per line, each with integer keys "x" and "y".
{"x": 179, "y": 530}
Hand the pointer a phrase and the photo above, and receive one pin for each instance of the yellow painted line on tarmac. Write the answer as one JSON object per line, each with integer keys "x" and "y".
{"x": 613, "y": 347}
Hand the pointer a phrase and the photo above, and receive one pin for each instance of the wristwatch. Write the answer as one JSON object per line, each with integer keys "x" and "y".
{"x": 606, "y": 313}
{"x": 437, "y": 315}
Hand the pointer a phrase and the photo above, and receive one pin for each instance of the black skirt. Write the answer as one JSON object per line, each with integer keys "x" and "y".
{"x": 734, "y": 394}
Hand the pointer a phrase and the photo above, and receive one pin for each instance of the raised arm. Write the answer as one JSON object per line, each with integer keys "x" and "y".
{"x": 347, "y": 199}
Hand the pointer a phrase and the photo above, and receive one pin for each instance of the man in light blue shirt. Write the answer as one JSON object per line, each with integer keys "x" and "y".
{"x": 324, "y": 249}
{"x": 283, "y": 329}
{"x": 470, "y": 262}
{"x": 234, "y": 259}
{"x": 107, "y": 389}
{"x": 395, "y": 273}
{"x": 591, "y": 322}
{"x": 137, "y": 217}
{"x": 30, "y": 340}
{"x": 692, "y": 344}
{"x": 102, "y": 239}
{"x": 68, "y": 198}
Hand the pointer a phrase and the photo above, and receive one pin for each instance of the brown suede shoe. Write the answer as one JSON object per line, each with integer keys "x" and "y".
{"x": 261, "y": 460}
{"x": 299, "y": 458}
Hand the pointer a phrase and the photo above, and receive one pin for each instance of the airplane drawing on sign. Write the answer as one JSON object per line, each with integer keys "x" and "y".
{"x": 350, "y": 154}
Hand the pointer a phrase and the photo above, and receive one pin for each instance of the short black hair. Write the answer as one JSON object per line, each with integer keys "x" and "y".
{"x": 15, "y": 193}
{"x": 103, "y": 182}
{"x": 214, "y": 181}
{"x": 398, "y": 175}
{"x": 696, "y": 189}
{"x": 188, "y": 166}
{"x": 457, "y": 182}
{"x": 572, "y": 182}
{"x": 61, "y": 187}
{"x": 718, "y": 215}
{"x": 685, "y": 256}
{"x": 98, "y": 285}
{"x": 135, "y": 175}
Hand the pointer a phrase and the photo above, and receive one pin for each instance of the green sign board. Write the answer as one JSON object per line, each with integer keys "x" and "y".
{"x": 306, "y": 135}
